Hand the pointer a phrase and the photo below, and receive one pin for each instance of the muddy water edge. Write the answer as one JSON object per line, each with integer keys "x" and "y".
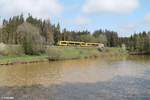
{"x": 108, "y": 78}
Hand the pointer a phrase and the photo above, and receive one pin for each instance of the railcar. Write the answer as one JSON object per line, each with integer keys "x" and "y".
{"x": 81, "y": 44}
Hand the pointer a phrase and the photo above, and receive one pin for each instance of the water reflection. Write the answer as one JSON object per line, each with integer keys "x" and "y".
{"x": 74, "y": 71}
{"x": 119, "y": 88}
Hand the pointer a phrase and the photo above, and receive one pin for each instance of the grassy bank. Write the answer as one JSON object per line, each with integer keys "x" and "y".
{"x": 117, "y": 51}
{"x": 62, "y": 53}
{"x": 4, "y": 60}
{"x": 57, "y": 53}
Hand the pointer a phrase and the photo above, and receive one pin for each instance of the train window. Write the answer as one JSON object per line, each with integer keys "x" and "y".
{"x": 77, "y": 43}
{"x": 63, "y": 42}
{"x": 71, "y": 43}
{"x": 95, "y": 44}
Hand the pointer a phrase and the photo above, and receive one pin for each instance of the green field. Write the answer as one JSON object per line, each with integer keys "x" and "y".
{"x": 61, "y": 53}
{"x": 24, "y": 58}
{"x": 14, "y": 54}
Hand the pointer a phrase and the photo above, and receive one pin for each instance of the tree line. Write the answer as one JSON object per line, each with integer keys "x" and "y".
{"x": 137, "y": 43}
{"x": 33, "y": 32}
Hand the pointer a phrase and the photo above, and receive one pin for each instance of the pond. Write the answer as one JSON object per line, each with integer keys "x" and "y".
{"x": 107, "y": 78}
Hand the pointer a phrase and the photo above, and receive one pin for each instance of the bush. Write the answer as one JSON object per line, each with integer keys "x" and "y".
{"x": 54, "y": 53}
{"x": 11, "y": 50}
{"x": 62, "y": 53}
{"x": 32, "y": 41}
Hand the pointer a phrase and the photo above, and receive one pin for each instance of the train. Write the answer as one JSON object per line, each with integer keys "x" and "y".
{"x": 80, "y": 44}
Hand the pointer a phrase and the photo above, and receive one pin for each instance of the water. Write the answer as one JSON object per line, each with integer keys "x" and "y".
{"x": 123, "y": 78}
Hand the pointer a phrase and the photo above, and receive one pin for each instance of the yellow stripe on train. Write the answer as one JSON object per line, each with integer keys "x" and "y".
{"x": 82, "y": 44}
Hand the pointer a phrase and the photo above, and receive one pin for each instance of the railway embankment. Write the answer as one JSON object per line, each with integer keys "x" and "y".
{"x": 57, "y": 53}
{"x": 65, "y": 53}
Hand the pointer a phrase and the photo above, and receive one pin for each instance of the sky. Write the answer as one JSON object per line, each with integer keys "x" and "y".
{"x": 123, "y": 16}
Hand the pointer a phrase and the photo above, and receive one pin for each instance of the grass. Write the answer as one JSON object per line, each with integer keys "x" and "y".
{"x": 24, "y": 58}
{"x": 115, "y": 51}
{"x": 62, "y": 53}
{"x": 11, "y": 50}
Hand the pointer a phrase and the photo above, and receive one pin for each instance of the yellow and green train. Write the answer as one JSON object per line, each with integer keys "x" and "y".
{"x": 81, "y": 44}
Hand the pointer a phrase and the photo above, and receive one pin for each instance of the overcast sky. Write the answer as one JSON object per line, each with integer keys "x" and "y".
{"x": 123, "y": 16}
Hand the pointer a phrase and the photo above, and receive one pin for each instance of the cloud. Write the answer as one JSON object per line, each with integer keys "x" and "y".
{"x": 38, "y": 8}
{"x": 128, "y": 28}
{"x": 139, "y": 26}
{"x": 110, "y": 6}
{"x": 147, "y": 17}
{"x": 82, "y": 20}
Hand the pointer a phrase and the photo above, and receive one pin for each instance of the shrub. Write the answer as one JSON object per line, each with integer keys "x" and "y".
{"x": 11, "y": 50}
{"x": 54, "y": 53}
{"x": 31, "y": 40}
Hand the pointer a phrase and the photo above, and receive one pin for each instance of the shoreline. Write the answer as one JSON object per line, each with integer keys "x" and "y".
{"x": 26, "y": 59}
{"x": 61, "y": 54}
{"x": 139, "y": 53}
{"x": 46, "y": 59}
